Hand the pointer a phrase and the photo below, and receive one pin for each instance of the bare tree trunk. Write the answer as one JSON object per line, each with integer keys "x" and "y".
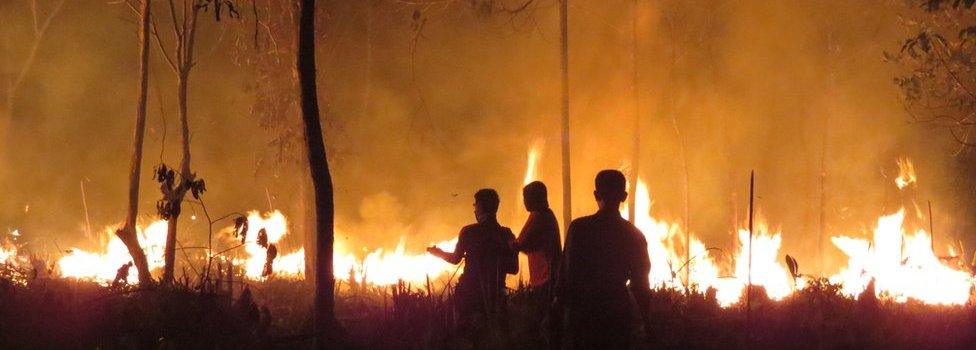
{"x": 564, "y": 64}
{"x": 823, "y": 190}
{"x": 186, "y": 176}
{"x": 324, "y": 313}
{"x": 824, "y": 139}
{"x": 127, "y": 233}
{"x": 635, "y": 90}
{"x": 681, "y": 144}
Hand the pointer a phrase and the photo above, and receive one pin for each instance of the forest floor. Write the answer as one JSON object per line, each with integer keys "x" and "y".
{"x": 59, "y": 313}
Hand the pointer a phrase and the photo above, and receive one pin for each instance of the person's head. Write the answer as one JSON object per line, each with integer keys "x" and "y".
{"x": 535, "y": 196}
{"x": 485, "y": 204}
{"x": 611, "y": 189}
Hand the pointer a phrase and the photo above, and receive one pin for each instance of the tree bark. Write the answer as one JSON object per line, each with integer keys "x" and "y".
{"x": 564, "y": 66}
{"x": 127, "y": 233}
{"x": 324, "y": 303}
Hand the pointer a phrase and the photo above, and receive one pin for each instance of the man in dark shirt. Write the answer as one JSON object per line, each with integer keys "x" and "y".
{"x": 486, "y": 248}
{"x": 539, "y": 239}
{"x": 603, "y": 253}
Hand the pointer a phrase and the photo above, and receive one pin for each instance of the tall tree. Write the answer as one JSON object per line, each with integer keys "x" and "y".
{"x": 635, "y": 91}
{"x": 127, "y": 233}
{"x": 181, "y": 63}
{"x": 564, "y": 66}
{"x": 324, "y": 313}
{"x": 185, "y": 30}
{"x": 671, "y": 111}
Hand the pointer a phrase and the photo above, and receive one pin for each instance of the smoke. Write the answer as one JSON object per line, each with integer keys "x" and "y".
{"x": 418, "y": 121}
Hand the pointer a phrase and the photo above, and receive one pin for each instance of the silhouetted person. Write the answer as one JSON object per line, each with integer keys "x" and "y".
{"x": 603, "y": 253}
{"x": 486, "y": 248}
{"x": 539, "y": 239}
{"x": 122, "y": 275}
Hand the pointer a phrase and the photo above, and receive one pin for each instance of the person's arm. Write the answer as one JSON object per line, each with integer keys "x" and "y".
{"x": 451, "y": 257}
{"x": 510, "y": 254}
{"x": 524, "y": 242}
{"x": 531, "y": 238}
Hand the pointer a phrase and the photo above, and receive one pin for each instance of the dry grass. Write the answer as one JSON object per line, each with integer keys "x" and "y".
{"x": 52, "y": 313}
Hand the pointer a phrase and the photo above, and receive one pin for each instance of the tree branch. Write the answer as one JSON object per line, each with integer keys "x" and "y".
{"x": 162, "y": 48}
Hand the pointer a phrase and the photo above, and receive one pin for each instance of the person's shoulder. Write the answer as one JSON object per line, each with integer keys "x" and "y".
{"x": 635, "y": 232}
{"x": 466, "y": 230}
{"x": 548, "y": 215}
{"x": 507, "y": 231}
{"x": 583, "y": 221}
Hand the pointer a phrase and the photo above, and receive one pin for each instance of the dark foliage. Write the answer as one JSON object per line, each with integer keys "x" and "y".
{"x": 169, "y": 206}
{"x": 52, "y": 313}
{"x": 275, "y": 314}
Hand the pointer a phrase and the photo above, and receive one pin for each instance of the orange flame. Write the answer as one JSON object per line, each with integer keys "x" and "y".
{"x": 912, "y": 272}
{"x": 378, "y": 267}
{"x": 906, "y": 173}
{"x": 532, "y": 166}
{"x": 102, "y": 266}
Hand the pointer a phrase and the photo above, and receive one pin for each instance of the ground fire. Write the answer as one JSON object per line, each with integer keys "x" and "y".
{"x": 901, "y": 262}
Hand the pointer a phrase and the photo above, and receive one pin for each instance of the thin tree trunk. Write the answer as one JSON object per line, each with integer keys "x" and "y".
{"x": 681, "y": 143}
{"x": 635, "y": 91}
{"x": 84, "y": 203}
{"x": 824, "y": 139}
{"x": 324, "y": 304}
{"x": 186, "y": 176}
{"x": 564, "y": 65}
{"x": 823, "y": 190}
{"x": 173, "y": 222}
{"x": 127, "y": 233}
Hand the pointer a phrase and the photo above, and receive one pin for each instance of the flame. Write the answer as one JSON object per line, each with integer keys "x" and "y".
{"x": 102, "y": 266}
{"x": 666, "y": 247}
{"x": 532, "y": 164}
{"x": 275, "y": 227}
{"x": 8, "y": 253}
{"x": 383, "y": 268}
{"x": 767, "y": 272}
{"x": 378, "y": 267}
{"x": 903, "y": 267}
{"x": 906, "y": 173}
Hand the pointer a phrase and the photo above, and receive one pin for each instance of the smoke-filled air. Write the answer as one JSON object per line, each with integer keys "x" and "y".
{"x": 487, "y": 174}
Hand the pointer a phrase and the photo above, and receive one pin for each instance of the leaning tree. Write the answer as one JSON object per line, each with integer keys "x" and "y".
{"x": 127, "y": 232}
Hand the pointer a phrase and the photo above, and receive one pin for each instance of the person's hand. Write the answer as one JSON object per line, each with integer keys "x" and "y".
{"x": 435, "y": 250}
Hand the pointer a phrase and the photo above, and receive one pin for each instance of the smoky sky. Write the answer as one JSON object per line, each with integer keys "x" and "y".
{"x": 416, "y": 122}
